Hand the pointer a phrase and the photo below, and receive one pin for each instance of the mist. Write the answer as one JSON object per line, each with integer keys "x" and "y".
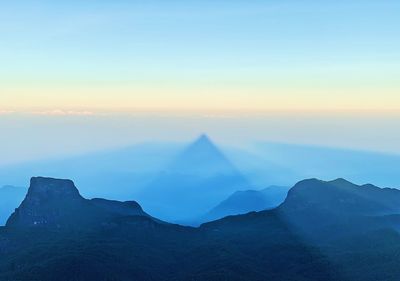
{"x": 27, "y": 137}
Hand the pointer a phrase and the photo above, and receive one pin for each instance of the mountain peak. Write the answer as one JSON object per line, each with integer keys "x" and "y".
{"x": 341, "y": 181}
{"x": 341, "y": 196}
{"x": 47, "y": 201}
{"x": 44, "y": 188}
{"x": 56, "y": 203}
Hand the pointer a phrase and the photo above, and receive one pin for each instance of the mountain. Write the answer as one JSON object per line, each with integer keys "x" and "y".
{"x": 264, "y": 164}
{"x": 361, "y": 242}
{"x": 195, "y": 181}
{"x": 57, "y": 203}
{"x": 352, "y": 226}
{"x": 120, "y": 247}
{"x": 341, "y": 197}
{"x": 320, "y": 209}
{"x": 242, "y": 202}
{"x": 10, "y": 198}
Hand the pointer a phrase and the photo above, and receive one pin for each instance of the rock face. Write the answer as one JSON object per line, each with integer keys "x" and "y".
{"x": 49, "y": 202}
{"x": 57, "y": 203}
{"x": 52, "y": 189}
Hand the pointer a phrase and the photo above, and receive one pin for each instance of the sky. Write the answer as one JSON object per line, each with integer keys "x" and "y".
{"x": 85, "y": 75}
{"x": 81, "y": 56}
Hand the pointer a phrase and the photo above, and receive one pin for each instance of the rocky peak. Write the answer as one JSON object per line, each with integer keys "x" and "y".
{"x": 49, "y": 202}
{"x": 56, "y": 203}
{"x": 52, "y": 189}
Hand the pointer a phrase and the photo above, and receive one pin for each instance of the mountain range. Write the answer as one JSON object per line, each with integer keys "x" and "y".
{"x": 263, "y": 164}
{"x": 182, "y": 182}
{"x": 323, "y": 230}
{"x": 173, "y": 181}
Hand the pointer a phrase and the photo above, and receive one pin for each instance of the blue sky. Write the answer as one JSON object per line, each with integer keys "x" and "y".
{"x": 200, "y": 55}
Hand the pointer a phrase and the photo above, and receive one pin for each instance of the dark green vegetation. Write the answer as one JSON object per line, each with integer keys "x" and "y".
{"x": 323, "y": 231}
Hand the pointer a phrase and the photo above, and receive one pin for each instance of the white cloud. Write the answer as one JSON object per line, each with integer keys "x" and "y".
{"x": 59, "y": 112}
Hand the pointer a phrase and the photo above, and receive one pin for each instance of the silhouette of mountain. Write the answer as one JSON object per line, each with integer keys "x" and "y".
{"x": 360, "y": 243}
{"x": 193, "y": 183}
{"x": 10, "y": 198}
{"x": 140, "y": 165}
{"x": 341, "y": 196}
{"x": 56, "y": 203}
{"x": 324, "y": 207}
{"x": 320, "y": 209}
{"x": 346, "y": 222}
{"x": 242, "y": 202}
{"x": 118, "y": 247}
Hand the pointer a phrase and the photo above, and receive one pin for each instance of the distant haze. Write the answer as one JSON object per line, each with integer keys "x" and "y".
{"x": 32, "y": 137}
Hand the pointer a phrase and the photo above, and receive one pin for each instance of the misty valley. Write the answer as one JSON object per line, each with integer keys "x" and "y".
{"x": 200, "y": 217}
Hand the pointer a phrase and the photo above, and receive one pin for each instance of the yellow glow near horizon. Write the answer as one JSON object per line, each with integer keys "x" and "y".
{"x": 180, "y": 103}
{"x": 354, "y": 88}
{"x": 200, "y": 98}
{"x": 262, "y": 56}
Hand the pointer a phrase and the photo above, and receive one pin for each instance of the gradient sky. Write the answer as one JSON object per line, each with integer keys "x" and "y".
{"x": 88, "y": 75}
{"x": 83, "y": 56}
